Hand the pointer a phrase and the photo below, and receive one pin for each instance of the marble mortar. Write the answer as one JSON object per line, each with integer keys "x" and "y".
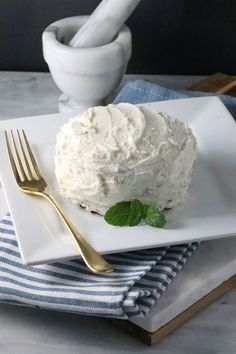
{"x": 86, "y": 76}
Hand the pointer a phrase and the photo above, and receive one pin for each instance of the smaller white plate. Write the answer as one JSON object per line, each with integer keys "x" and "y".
{"x": 210, "y": 210}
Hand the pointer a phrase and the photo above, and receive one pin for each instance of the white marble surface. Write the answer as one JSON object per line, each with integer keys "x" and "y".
{"x": 35, "y": 331}
{"x": 27, "y": 94}
{"x": 212, "y": 264}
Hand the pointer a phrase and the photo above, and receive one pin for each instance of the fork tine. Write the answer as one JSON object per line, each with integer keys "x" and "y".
{"x": 25, "y": 156}
{"x": 11, "y": 158}
{"x": 32, "y": 159}
{"x": 21, "y": 167}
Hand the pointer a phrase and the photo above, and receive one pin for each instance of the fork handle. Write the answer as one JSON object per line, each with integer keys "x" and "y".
{"x": 93, "y": 260}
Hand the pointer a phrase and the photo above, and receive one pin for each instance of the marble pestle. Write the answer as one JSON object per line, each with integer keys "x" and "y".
{"x": 104, "y": 23}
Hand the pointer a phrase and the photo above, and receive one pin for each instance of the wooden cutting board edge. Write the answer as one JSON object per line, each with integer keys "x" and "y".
{"x": 152, "y": 338}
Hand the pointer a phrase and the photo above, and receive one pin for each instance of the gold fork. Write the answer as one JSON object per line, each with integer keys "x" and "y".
{"x": 29, "y": 179}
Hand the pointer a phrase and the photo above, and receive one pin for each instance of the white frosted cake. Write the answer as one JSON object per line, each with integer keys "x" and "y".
{"x": 123, "y": 152}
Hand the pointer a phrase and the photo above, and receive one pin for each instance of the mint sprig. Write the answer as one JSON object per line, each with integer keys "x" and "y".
{"x": 131, "y": 213}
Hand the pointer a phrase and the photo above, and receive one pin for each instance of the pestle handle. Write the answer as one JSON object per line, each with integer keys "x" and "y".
{"x": 104, "y": 23}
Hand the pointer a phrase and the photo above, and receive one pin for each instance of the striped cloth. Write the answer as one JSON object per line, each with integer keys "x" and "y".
{"x": 138, "y": 280}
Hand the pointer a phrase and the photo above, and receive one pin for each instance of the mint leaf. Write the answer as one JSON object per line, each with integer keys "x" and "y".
{"x": 154, "y": 217}
{"x": 136, "y": 212}
{"x": 125, "y": 213}
{"x": 119, "y": 214}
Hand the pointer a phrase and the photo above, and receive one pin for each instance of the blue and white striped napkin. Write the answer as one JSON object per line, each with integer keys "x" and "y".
{"x": 139, "y": 278}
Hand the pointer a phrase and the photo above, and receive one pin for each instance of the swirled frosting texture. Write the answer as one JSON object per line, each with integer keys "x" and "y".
{"x": 122, "y": 152}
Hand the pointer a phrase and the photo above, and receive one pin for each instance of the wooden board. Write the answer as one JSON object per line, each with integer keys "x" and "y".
{"x": 220, "y": 84}
{"x": 155, "y": 337}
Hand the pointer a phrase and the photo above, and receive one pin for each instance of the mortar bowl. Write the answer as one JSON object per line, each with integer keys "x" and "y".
{"x": 86, "y": 76}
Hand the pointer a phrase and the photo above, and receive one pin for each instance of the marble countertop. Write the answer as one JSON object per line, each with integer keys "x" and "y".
{"x": 26, "y": 330}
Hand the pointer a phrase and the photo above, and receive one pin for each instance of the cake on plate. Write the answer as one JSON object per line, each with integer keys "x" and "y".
{"x": 124, "y": 152}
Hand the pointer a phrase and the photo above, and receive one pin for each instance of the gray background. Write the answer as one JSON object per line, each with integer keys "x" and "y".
{"x": 169, "y": 36}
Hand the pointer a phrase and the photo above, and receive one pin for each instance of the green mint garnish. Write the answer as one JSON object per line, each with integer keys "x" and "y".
{"x": 119, "y": 214}
{"x": 125, "y": 213}
{"x": 154, "y": 217}
{"x": 131, "y": 213}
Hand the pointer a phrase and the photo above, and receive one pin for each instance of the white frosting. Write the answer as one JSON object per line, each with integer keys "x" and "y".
{"x": 122, "y": 152}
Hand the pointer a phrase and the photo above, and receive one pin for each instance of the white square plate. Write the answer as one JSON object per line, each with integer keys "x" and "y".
{"x": 209, "y": 212}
